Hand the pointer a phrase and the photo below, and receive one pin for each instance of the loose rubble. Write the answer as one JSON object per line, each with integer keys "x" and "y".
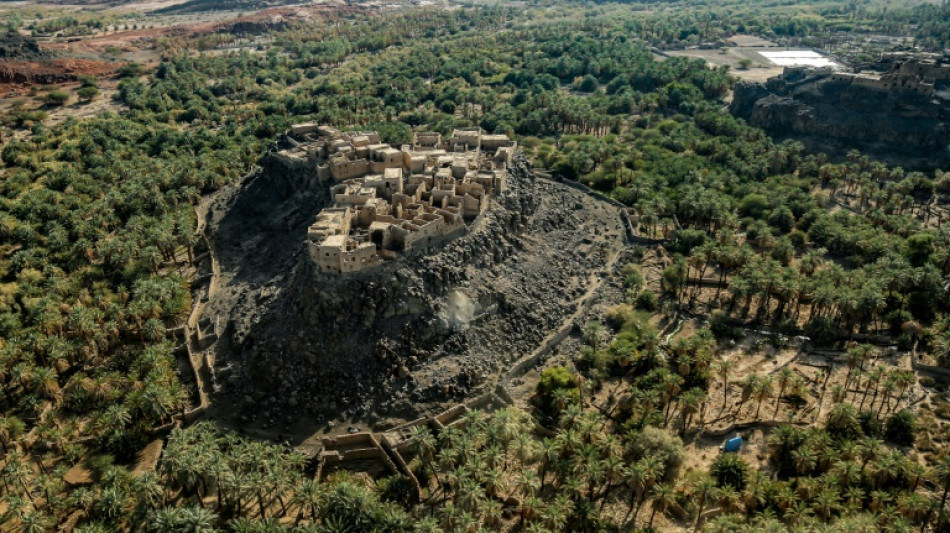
{"x": 401, "y": 339}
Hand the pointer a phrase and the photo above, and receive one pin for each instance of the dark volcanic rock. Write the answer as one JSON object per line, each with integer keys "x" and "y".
{"x": 903, "y": 118}
{"x": 404, "y": 336}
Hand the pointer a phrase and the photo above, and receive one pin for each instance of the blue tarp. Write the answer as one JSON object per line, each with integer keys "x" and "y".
{"x": 733, "y": 444}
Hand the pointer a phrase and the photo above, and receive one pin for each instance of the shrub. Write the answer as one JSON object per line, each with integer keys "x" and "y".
{"x": 647, "y": 301}
{"x": 753, "y": 205}
{"x": 637, "y": 328}
{"x": 896, "y": 320}
{"x": 587, "y": 84}
{"x": 821, "y": 330}
{"x": 99, "y": 464}
{"x": 563, "y": 170}
{"x": 843, "y": 423}
{"x": 900, "y": 427}
{"x": 86, "y": 94}
{"x": 871, "y": 425}
{"x": 632, "y": 277}
{"x": 797, "y": 238}
{"x": 447, "y": 106}
{"x": 686, "y": 239}
{"x": 398, "y": 489}
{"x": 782, "y": 219}
{"x": 729, "y": 470}
{"x": 56, "y": 97}
{"x": 88, "y": 81}
{"x": 556, "y": 389}
{"x": 132, "y": 70}
{"x": 664, "y": 446}
{"x": 619, "y": 315}
{"x": 725, "y": 328}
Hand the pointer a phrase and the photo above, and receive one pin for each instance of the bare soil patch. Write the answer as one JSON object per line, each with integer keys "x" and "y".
{"x": 15, "y": 75}
{"x": 759, "y": 71}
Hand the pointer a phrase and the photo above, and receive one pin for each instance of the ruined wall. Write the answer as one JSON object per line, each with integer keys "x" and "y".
{"x": 342, "y": 170}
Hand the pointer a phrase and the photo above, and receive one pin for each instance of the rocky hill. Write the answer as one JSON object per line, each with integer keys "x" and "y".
{"x": 395, "y": 340}
{"x": 900, "y": 117}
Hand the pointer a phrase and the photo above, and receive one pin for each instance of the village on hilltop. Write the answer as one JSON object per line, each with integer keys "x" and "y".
{"x": 387, "y": 201}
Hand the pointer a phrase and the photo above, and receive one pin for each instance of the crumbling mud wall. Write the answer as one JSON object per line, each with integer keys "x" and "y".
{"x": 400, "y": 340}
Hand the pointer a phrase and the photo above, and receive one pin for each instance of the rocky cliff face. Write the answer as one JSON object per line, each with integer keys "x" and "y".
{"x": 397, "y": 339}
{"x": 899, "y": 126}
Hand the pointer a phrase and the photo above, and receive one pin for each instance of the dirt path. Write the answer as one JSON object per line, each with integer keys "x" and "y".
{"x": 595, "y": 281}
{"x": 197, "y": 357}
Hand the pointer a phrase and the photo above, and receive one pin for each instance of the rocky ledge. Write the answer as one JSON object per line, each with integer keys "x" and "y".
{"x": 829, "y": 112}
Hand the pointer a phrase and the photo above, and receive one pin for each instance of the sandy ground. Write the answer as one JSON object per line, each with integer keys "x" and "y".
{"x": 104, "y": 102}
{"x": 743, "y": 47}
{"x": 751, "y": 41}
{"x": 760, "y": 70}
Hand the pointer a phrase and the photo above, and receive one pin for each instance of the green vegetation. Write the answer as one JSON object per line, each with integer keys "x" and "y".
{"x": 86, "y": 94}
{"x": 56, "y": 98}
{"x": 556, "y": 390}
{"x": 97, "y": 227}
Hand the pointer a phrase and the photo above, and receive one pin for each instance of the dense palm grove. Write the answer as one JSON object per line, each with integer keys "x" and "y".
{"x": 97, "y": 225}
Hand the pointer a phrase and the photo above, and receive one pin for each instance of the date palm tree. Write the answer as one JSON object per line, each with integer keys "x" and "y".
{"x": 17, "y": 473}
{"x": 35, "y": 522}
{"x": 701, "y": 488}
{"x": 763, "y": 391}
{"x": 797, "y": 513}
{"x": 175, "y": 519}
{"x": 690, "y": 404}
{"x": 423, "y": 445}
{"x": 11, "y": 428}
{"x": 636, "y": 478}
{"x": 662, "y": 498}
{"x": 785, "y": 375}
{"x": 724, "y": 367}
{"x": 307, "y": 499}
{"x": 941, "y": 475}
{"x": 749, "y": 385}
{"x": 826, "y": 503}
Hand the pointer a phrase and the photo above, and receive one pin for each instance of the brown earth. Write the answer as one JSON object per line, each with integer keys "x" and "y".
{"x": 14, "y": 74}
{"x": 268, "y": 19}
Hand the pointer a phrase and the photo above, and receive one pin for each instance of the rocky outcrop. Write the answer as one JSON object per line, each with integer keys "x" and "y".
{"x": 897, "y": 119}
{"x": 399, "y": 339}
